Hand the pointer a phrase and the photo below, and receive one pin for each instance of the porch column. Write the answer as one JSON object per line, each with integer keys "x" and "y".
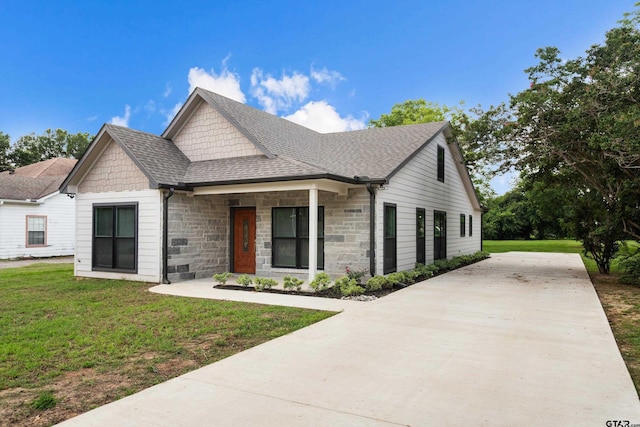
{"x": 313, "y": 233}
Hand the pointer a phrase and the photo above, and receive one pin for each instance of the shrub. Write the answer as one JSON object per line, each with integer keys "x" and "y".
{"x": 321, "y": 282}
{"x": 348, "y": 286}
{"x": 292, "y": 283}
{"x": 395, "y": 279}
{"x": 357, "y": 275}
{"x": 222, "y": 278}
{"x": 376, "y": 283}
{"x": 263, "y": 283}
{"x": 629, "y": 262}
{"x": 244, "y": 280}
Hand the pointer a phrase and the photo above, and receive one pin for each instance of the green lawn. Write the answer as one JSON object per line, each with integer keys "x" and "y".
{"x": 57, "y": 330}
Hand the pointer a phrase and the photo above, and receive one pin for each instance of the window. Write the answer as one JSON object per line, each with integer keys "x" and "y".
{"x": 420, "y": 243}
{"x": 290, "y": 237}
{"x": 470, "y": 225}
{"x": 115, "y": 231}
{"x": 440, "y": 163}
{"x": 463, "y": 225}
{"x": 439, "y": 235}
{"x": 390, "y": 229}
{"x": 36, "y": 230}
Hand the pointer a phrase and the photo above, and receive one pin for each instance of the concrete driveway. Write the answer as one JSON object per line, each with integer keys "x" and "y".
{"x": 519, "y": 339}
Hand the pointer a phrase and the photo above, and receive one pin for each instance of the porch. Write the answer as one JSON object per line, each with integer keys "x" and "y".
{"x": 295, "y": 228}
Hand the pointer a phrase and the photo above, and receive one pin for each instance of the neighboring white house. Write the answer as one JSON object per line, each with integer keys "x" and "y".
{"x": 227, "y": 187}
{"x": 36, "y": 220}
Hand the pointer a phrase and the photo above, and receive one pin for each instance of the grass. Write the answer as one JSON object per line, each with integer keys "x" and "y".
{"x": 77, "y": 344}
{"x": 621, "y": 302}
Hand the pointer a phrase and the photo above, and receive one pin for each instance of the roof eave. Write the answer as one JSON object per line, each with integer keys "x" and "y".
{"x": 332, "y": 177}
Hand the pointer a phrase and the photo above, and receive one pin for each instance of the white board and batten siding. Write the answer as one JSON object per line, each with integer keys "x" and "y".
{"x": 416, "y": 185}
{"x": 149, "y": 233}
{"x": 60, "y": 238}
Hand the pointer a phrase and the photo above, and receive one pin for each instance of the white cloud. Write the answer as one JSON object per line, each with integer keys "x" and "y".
{"x": 274, "y": 94}
{"x": 92, "y": 118}
{"x": 150, "y": 106}
{"x": 331, "y": 77}
{"x": 122, "y": 120}
{"x": 226, "y": 83}
{"x": 167, "y": 90}
{"x": 322, "y": 117}
{"x": 172, "y": 113}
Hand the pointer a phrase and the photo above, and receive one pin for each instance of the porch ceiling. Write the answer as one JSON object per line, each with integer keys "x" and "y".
{"x": 263, "y": 187}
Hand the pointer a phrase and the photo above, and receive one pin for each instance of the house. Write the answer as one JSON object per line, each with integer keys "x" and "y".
{"x": 228, "y": 187}
{"x": 36, "y": 220}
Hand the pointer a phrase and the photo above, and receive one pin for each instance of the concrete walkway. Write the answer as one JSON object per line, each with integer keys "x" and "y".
{"x": 519, "y": 339}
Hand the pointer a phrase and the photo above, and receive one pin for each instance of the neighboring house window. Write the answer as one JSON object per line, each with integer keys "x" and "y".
{"x": 463, "y": 225}
{"x": 390, "y": 241}
{"x": 470, "y": 225}
{"x": 36, "y": 230}
{"x": 290, "y": 237}
{"x": 115, "y": 237}
{"x": 440, "y": 163}
{"x": 420, "y": 233}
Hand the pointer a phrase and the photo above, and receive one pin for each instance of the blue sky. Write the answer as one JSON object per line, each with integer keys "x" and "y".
{"x": 329, "y": 65}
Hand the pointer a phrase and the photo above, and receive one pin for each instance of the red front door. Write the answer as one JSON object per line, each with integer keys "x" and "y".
{"x": 244, "y": 241}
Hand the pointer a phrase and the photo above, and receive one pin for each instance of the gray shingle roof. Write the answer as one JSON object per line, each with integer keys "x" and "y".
{"x": 250, "y": 168}
{"x": 15, "y": 187}
{"x": 32, "y": 182}
{"x": 375, "y": 152}
{"x": 290, "y": 151}
{"x": 159, "y": 158}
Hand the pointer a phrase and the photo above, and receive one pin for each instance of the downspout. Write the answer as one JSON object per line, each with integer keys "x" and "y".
{"x": 372, "y": 229}
{"x": 165, "y": 236}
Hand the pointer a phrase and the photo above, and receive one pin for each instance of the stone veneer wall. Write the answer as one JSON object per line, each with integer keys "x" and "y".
{"x": 199, "y": 232}
{"x": 198, "y": 237}
{"x": 208, "y": 135}
{"x": 114, "y": 171}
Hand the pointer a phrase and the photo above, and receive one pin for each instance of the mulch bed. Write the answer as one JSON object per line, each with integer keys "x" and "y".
{"x": 328, "y": 293}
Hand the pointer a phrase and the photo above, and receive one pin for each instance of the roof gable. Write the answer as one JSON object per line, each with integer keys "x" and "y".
{"x": 208, "y": 135}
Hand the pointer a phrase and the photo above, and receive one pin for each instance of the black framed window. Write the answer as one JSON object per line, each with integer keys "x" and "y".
{"x": 470, "y": 225}
{"x": 439, "y": 235}
{"x": 115, "y": 237}
{"x": 420, "y": 235}
{"x": 463, "y": 225}
{"x": 390, "y": 239}
{"x": 440, "y": 163}
{"x": 290, "y": 237}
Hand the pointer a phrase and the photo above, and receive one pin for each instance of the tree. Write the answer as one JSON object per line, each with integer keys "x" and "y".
{"x": 33, "y": 148}
{"x": 579, "y": 122}
{"x": 5, "y": 147}
{"x": 411, "y": 112}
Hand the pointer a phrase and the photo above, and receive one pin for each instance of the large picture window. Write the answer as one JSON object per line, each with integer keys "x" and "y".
{"x": 36, "y": 230}
{"x": 290, "y": 237}
{"x": 115, "y": 232}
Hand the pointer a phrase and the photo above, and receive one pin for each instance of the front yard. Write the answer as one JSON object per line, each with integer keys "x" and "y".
{"x": 621, "y": 302}
{"x": 68, "y": 345}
